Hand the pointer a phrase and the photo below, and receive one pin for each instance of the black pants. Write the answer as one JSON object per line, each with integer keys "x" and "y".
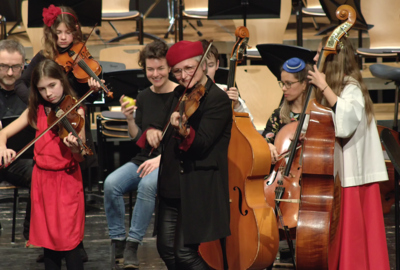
{"x": 170, "y": 242}
{"x": 73, "y": 259}
{"x": 19, "y": 173}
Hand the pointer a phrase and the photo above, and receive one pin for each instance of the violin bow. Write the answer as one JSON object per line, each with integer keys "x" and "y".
{"x": 50, "y": 127}
{"x": 84, "y": 44}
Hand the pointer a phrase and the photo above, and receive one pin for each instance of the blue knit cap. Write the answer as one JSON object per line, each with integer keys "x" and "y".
{"x": 294, "y": 65}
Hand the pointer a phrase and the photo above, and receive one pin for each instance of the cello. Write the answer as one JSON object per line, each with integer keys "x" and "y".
{"x": 318, "y": 233}
{"x": 254, "y": 239}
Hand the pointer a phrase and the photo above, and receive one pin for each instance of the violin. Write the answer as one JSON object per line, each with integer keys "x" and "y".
{"x": 80, "y": 70}
{"x": 189, "y": 104}
{"x": 60, "y": 116}
{"x": 73, "y": 122}
{"x": 79, "y": 61}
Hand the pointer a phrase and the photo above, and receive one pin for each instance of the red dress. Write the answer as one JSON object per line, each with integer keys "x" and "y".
{"x": 363, "y": 239}
{"x": 58, "y": 211}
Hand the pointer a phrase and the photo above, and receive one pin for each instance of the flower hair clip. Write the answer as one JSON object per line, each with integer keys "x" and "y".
{"x": 50, "y": 15}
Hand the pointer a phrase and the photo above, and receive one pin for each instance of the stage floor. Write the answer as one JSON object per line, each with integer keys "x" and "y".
{"x": 97, "y": 244}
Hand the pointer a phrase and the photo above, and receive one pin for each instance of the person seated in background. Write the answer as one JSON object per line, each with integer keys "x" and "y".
{"x": 19, "y": 173}
{"x": 212, "y": 67}
{"x": 142, "y": 171}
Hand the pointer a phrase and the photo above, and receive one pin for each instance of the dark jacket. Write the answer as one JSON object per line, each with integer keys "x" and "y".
{"x": 202, "y": 169}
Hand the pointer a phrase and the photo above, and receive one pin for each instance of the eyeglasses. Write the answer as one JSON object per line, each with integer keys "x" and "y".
{"x": 15, "y": 68}
{"x": 287, "y": 84}
{"x": 189, "y": 70}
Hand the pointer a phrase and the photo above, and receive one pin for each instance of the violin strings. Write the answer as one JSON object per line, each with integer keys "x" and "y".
{"x": 89, "y": 71}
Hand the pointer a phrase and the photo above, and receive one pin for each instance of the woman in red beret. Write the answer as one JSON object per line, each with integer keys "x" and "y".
{"x": 193, "y": 174}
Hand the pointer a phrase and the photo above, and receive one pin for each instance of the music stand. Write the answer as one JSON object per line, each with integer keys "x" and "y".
{"x": 243, "y": 9}
{"x": 88, "y": 11}
{"x": 274, "y": 55}
{"x": 127, "y": 82}
{"x": 330, "y": 7}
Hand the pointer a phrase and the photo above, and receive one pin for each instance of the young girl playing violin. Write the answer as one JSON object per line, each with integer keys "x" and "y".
{"x": 61, "y": 31}
{"x": 340, "y": 86}
{"x": 58, "y": 214}
{"x": 294, "y": 84}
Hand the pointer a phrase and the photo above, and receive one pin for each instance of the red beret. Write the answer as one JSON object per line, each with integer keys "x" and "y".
{"x": 183, "y": 50}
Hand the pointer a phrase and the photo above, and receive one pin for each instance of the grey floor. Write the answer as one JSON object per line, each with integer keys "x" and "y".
{"x": 96, "y": 242}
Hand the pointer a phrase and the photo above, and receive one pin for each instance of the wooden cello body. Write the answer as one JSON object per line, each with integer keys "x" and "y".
{"x": 254, "y": 239}
{"x": 318, "y": 230}
{"x": 289, "y": 183}
{"x": 317, "y": 227}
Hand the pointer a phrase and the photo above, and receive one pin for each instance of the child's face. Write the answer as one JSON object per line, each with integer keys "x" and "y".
{"x": 212, "y": 65}
{"x": 50, "y": 89}
{"x": 64, "y": 36}
{"x": 157, "y": 71}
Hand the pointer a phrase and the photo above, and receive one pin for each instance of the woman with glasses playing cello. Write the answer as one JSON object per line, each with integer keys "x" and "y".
{"x": 294, "y": 84}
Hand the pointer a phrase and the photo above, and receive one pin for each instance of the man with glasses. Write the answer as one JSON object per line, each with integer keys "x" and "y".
{"x": 12, "y": 58}
{"x": 193, "y": 174}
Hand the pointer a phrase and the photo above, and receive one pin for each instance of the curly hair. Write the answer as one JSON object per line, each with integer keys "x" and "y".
{"x": 155, "y": 50}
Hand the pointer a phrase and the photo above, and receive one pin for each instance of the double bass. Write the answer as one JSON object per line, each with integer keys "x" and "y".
{"x": 318, "y": 231}
{"x": 254, "y": 239}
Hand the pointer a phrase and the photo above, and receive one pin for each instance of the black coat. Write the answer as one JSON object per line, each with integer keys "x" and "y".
{"x": 202, "y": 169}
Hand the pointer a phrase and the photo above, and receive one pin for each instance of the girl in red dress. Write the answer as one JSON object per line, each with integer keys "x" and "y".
{"x": 58, "y": 214}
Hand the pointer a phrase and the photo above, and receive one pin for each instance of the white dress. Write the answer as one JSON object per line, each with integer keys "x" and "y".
{"x": 360, "y": 147}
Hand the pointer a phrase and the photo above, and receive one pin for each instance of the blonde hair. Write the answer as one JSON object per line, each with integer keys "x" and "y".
{"x": 50, "y": 33}
{"x": 301, "y": 76}
{"x": 337, "y": 67}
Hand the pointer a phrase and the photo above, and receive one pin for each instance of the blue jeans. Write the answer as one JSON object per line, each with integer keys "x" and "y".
{"x": 119, "y": 182}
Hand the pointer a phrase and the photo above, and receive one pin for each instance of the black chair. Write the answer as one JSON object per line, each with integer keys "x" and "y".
{"x": 389, "y": 73}
{"x": 118, "y": 10}
{"x": 125, "y": 82}
{"x": 17, "y": 142}
{"x": 274, "y": 55}
{"x": 393, "y": 151}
